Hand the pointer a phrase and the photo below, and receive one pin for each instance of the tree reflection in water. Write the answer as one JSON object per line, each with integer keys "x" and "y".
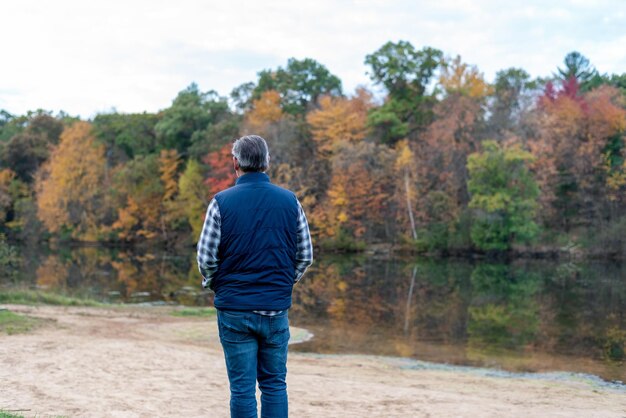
{"x": 522, "y": 315}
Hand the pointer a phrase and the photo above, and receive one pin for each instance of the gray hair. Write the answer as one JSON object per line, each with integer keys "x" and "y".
{"x": 252, "y": 153}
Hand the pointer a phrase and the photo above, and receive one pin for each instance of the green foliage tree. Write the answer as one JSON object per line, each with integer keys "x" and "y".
{"x": 299, "y": 84}
{"x": 405, "y": 72}
{"x": 9, "y": 259}
{"x": 504, "y": 312}
{"x": 503, "y": 195}
{"x": 30, "y": 145}
{"x": 507, "y": 101}
{"x": 195, "y": 122}
{"x": 615, "y": 80}
{"x": 579, "y": 67}
{"x": 242, "y": 96}
{"x": 10, "y": 125}
{"x": 134, "y": 133}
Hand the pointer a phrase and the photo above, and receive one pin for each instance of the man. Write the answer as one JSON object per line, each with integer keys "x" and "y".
{"x": 254, "y": 246}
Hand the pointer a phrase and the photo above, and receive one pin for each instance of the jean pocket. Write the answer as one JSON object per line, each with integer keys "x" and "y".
{"x": 279, "y": 330}
{"x": 232, "y": 327}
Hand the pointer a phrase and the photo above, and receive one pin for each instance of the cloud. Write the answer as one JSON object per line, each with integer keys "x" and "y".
{"x": 86, "y": 57}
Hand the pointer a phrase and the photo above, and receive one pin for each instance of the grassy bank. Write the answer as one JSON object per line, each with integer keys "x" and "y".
{"x": 33, "y": 297}
{"x": 4, "y": 414}
{"x": 194, "y": 312}
{"x": 12, "y": 323}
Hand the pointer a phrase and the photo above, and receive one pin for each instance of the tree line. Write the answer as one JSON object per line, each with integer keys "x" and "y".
{"x": 441, "y": 160}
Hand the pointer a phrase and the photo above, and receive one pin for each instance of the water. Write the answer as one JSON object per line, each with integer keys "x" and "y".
{"x": 521, "y": 316}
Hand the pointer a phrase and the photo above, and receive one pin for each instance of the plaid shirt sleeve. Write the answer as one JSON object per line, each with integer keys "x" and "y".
{"x": 208, "y": 244}
{"x": 304, "y": 252}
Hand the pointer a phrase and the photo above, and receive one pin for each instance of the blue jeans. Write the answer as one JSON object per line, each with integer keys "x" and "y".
{"x": 255, "y": 348}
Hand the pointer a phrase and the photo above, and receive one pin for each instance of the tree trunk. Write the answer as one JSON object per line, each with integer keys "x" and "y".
{"x": 408, "y": 202}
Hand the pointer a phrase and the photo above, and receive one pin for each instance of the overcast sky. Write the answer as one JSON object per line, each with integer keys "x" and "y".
{"x": 86, "y": 57}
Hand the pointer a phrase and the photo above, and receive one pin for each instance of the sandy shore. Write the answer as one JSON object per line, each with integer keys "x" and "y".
{"x": 144, "y": 362}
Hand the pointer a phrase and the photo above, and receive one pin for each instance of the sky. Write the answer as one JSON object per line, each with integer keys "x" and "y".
{"x": 90, "y": 57}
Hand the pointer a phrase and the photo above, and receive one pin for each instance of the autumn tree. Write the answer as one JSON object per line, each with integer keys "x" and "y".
{"x": 265, "y": 110}
{"x": 266, "y": 117}
{"x": 169, "y": 162}
{"x": 463, "y": 79}
{"x": 573, "y": 131}
{"x": 339, "y": 119}
{"x": 139, "y": 194}
{"x": 359, "y": 195}
{"x": 193, "y": 196}
{"x": 221, "y": 170}
{"x": 441, "y": 166}
{"x": 405, "y": 161}
{"x": 292, "y": 159}
{"x": 71, "y": 193}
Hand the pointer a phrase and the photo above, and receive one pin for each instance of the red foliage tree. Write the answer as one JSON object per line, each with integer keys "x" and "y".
{"x": 222, "y": 173}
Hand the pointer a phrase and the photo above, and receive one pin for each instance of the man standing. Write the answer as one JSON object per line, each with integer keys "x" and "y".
{"x": 254, "y": 246}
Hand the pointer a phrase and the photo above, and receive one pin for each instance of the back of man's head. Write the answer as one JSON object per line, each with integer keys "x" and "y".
{"x": 251, "y": 153}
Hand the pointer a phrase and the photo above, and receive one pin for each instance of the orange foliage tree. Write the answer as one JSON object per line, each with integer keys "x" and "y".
{"x": 441, "y": 159}
{"x": 572, "y": 133}
{"x": 70, "y": 187}
{"x": 140, "y": 192}
{"x": 360, "y": 193}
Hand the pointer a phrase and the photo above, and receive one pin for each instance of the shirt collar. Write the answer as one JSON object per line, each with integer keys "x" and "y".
{"x": 253, "y": 177}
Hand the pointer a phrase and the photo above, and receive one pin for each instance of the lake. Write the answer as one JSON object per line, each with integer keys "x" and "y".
{"x": 531, "y": 316}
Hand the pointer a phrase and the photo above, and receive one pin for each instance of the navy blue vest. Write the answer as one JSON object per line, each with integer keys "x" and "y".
{"x": 258, "y": 245}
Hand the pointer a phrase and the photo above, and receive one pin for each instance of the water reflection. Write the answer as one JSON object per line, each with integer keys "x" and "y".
{"x": 521, "y": 316}
{"x": 114, "y": 275}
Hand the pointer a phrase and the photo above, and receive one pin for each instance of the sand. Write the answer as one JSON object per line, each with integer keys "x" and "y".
{"x": 144, "y": 362}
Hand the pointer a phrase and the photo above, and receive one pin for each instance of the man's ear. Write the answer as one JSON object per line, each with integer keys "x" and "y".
{"x": 235, "y": 163}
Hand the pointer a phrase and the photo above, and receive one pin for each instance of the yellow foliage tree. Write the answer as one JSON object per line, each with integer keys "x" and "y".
{"x": 168, "y": 167}
{"x": 340, "y": 119}
{"x": 461, "y": 78}
{"x": 405, "y": 160}
{"x": 70, "y": 188}
{"x": 192, "y": 198}
{"x": 265, "y": 110}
